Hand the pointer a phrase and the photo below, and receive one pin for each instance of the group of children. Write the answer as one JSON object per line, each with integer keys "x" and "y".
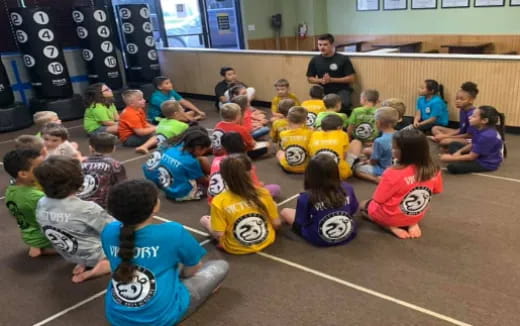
{"x": 84, "y": 209}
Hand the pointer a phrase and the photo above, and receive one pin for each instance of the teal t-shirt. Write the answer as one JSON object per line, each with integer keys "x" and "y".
{"x": 363, "y": 121}
{"x": 154, "y": 106}
{"x": 96, "y": 114}
{"x": 21, "y": 202}
{"x": 171, "y": 127}
{"x": 322, "y": 115}
{"x": 434, "y": 107}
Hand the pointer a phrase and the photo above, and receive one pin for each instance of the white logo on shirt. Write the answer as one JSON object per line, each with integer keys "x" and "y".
{"x": 311, "y": 119}
{"x": 216, "y": 139}
{"x": 416, "y": 201}
{"x": 364, "y": 130}
{"x": 61, "y": 240}
{"x": 216, "y": 184}
{"x": 250, "y": 229}
{"x": 330, "y": 153}
{"x": 333, "y": 66}
{"x": 136, "y": 293}
{"x": 165, "y": 178}
{"x": 161, "y": 139}
{"x": 295, "y": 155}
{"x": 427, "y": 110}
{"x": 154, "y": 160}
{"x": 336, "y": 227}
{"x": 90, "y": 185}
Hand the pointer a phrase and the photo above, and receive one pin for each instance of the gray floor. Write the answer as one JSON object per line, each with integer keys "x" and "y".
{"x": 464, "y": 270}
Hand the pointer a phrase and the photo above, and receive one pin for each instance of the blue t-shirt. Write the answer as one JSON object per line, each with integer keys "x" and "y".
{"x": 489, "y": 146}
{"x": 327, "y": 226}
{"x": 156, "y": 296}
{"x": 154, "y": 106}
{"x": 173, "y": 170}
{"x": 434, "y": 107}
{"x": 465, "y": 127}
{"x": 382, "y": 152}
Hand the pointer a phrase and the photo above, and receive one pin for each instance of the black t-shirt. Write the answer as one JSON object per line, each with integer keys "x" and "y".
{"x": 337, "y": 66}
{"x": 221, "y": 88}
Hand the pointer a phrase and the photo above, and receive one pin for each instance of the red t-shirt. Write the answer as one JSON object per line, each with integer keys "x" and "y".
{"x": 224, "y": 127}
{"x": 216, "y": 183}
{"x": 131, "y": 119}
{"x": 248, "y": 119}
{"x": 401, "y": 201}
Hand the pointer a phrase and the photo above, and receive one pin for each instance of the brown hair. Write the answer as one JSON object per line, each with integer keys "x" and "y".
{"x": 332, "y": 122}
{"x": 59, "y": 176}
{"x": 242, "y": 101}
{"x": 371, "y": 95}
{"x": 102, "y": 142}
{"x": 235, "y": 172}
{"x": 323, "y": 183}
{"x": 415, "y": 150}
{"x": 281, "y": 83}
{"x": 331, "y": 100}
{"x": 387, "y": 116}
{"x": 317, "y": 92}
{"x": 129, "y": 94}
{"x": 397, "y": 104}
{"x": 55, "y": 130}
{"x": 230, "y": 111}
{"x": 285, "y": 105}
{"x": 42, "y": 117}
{"x": 297, "y": 115}
{"x": 170, "y": 107}
{"x": 29, "y": 142}
{"x": 94, "y": 95}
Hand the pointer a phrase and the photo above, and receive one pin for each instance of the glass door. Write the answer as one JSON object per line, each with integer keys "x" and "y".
{"x": 224, "y": 24}
{"x": 183, "y": 23}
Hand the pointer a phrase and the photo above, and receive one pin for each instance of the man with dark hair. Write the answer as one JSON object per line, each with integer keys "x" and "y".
{"x": 332, "y": 70}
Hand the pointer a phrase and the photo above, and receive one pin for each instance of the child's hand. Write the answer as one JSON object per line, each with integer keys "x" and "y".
{"x": 446, "y": 157}
{"x": 416, "y": 124}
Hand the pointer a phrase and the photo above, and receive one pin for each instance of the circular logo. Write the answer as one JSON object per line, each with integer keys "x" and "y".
{"x": 55, "y": 68}
{"x": 132, "y": 48}
{"x": 50, "y": 51}
{"x": 16, "y": 19}
{"x": 107, "y": 46}
{"x": 216, "y": 184}
{"x": 20, "y": 218}
{"x": 100, "y": 15}
{"x": 161, "y": 139}
{"x": 87, "y": 54}
{"x": 216, "y": 138}
{"x": 147, "y": 27}
{"x": 21, "y": 36}
{"x": 28, "y": 60}
{"x": 125, "y": 13}
{"x": 152, "y": 55}
{"x": 144, "y": 12}
{"x": 90, "y": 186}
{"x": 154, "y": 160}
{"x": 136, "y": 293}
{"x": 110, "y": 61}
{"x": 103, "y": 31}
{"x": 329, "y": 153}
{"x": 250, "y": 229}
{"x": 41, "y": 17}
{"x": 295, "y": 155}
{"x": 77, "y": 16}
{"x": 416, "y": 201}
{"x": 311, "y": 119}
{"x": 336, "y": 227}
{"x": 82, "y": 32}
{"x": 165, "y": 178}
{"x": 149, "y": 41}
{"x": 333, "y": 66}
{"x": 364, "y": 130}
{"x": 61, "y": 240}
{"x": 128, "y": 28}
{"x": 46, "y": 35}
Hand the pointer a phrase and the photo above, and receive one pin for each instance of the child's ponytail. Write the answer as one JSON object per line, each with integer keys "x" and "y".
{"x": 441, "y": 92}
{"x": 495, "y": 120}
{"x": 193, "y": 136}
{"x": 502, "y": 130}
{"x": 125, "y": 271}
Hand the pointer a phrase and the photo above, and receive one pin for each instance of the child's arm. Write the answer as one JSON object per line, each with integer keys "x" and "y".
{"x": 417, "y": 118}
{"x": 386, "y": 188}
{"x": 218, "y": 222}
{"x": 144, "y": 131}
{"x": 190, "y": 252}
{"x": 272, "y": 210}
{"x": 189, "y": 271}
{"x": 425, "y": 122}
{"x": 188, "y": 105}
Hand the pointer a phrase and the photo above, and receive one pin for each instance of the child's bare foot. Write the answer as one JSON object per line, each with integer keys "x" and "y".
{"x": 35, "y": 252}
{"x": 141, "y": 150}
{"x": 414, "y": 231}
{"x": 101, "y": 268}
{"x": 205, "y": 221}
{"x": 78, "y": 269}
{"x": 398, "y": 232}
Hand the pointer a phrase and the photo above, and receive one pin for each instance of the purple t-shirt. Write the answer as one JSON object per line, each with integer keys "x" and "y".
{"x": 489, "y": 146}
{"x": 327, "y": 226}
{"x": 465, "y": 127}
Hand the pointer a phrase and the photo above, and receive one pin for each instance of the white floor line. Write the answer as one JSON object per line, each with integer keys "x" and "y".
{"x": 366, "y": 290}
{"x": 1, "y": 198}
{"x": 186, "y": 227}
{"x": 134, "y": 158}
{"x": 496, "y": 177}
{"x": 287, "y": 200}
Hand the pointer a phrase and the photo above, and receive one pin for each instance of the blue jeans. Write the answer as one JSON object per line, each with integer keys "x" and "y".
{"x": 260, "y": 132}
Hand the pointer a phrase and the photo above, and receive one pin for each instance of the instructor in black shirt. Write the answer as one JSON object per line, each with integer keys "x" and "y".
{"x": 333, "y": 71}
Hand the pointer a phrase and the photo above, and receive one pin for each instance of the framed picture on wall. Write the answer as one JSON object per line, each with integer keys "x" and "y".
{"x": 455, "y": 3}
{"x": 489, "y": 3}
{"x": 367, "y": 5}
{"x": 514, "y": 3}
{"x": 395, "y": 4}
{"x": 424, "y": 4}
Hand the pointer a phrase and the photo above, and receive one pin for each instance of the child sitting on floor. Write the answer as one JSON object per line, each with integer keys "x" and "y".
{"x": 100, "y": 171}
{"x": 101, "y": 113}
{"x": 229, "y": 77}
{"x": 22, "y": 197}
{"x": 362, "y": 123}
{"x": 333, "y": 104}
{"x": 72, "y": 225}
{"x": 56, "y": 140}
{"x": 231, "y": 122}
{"x": 172, "y": 124}
{"x": 332, "y": 141}
{"x": 282, "y": 93}
{"x": 293, "y": 155}
{"x": 403, "y": 195}
{"x": 487, "y": 149}
{"x": 243, "y": 217}
{"x": 163, "y": 92}
{"x": 323, "y": 214}
{"x": 134, "y": 130}
{"x": 164, "y": 283}
{"x": 431, "y": 107}
{"x": 280, "y": 124}
{"x": 182, "y": 170}
{"x": 381, "y": 151}
{"x": 257, "y": 117}
{"x": 31, "y": 142}
{"x": 400, "y": 107}
{"x": 256, "y": 127}
{"x": 41, "y": 118}
{"x": 315, "y": 105}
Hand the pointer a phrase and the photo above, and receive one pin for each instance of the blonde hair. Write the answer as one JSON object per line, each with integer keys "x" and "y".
{"x": 285, "y": 105}
{"x": 297, "y": 115}
{"x": 397, "y": 104}
{"x": 387, "y": 116}
{"x": 43, "y": 117}
{"x": 230, "y": 111}
{"x": 29, "y": 142}
{"x": 170, "y": 107}
{"x": 129, "y": 94}
{"x": 281, "y": 83}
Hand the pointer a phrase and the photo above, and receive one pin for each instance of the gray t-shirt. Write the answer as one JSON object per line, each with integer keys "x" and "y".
{"x": 74, "y": 226}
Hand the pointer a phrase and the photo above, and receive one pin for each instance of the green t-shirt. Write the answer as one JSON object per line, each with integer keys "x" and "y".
{"x": 21, "y": 202}
{"x": 95, "y": 115}
{"x": 322, "y": 115}
{"x": 363, "y": 120}
{"x": 171, "y": 127}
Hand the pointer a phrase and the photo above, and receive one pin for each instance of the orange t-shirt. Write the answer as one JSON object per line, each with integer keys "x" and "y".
{"x": 130, "y": 119}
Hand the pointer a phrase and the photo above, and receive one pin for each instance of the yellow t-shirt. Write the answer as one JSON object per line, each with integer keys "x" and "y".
{"x": 314, "y": 107}
{"x": 295, "y": 144}
{"x": 276, "y": 101}
{"x": 246, "y": 229}
{"x": 334, "y": 143}
{"x": 277, "y": 127}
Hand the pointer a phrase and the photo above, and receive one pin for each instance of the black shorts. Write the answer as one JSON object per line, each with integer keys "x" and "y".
{"x": 297, "y": 228}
